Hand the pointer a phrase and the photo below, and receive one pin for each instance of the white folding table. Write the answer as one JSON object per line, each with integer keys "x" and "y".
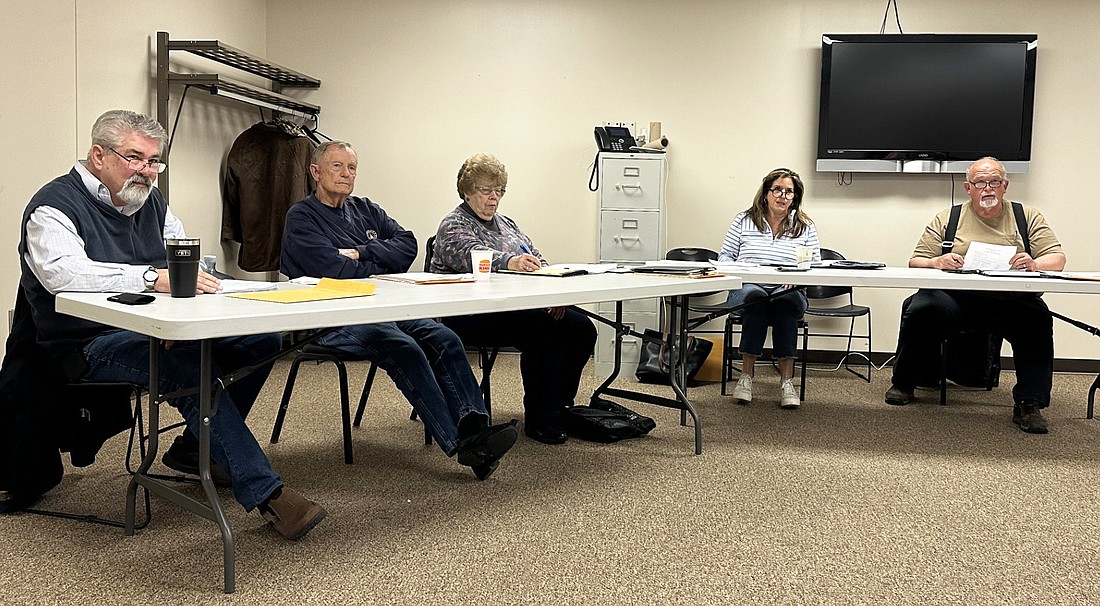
{"x": 916, "y": 278}
{"x": 208, "y": 317}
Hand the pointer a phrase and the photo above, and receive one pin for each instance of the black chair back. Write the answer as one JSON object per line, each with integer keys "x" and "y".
{"x": 429, "y": 249}
{"x": 828, "y": 292}
{"x": 687, "y": 253}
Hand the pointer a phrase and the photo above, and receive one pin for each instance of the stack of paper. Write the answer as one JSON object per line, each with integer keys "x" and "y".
{"x": 232, "y": 287}
{"x": 422, "y": 277}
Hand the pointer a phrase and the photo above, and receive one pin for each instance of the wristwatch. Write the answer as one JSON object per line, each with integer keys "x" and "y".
{"x": 150, "y": 277}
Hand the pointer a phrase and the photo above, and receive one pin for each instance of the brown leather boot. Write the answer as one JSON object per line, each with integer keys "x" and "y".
{"x": 292, "y": 514}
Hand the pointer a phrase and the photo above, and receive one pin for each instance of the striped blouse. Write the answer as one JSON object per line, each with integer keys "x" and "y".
{"x": 745, "y": 243}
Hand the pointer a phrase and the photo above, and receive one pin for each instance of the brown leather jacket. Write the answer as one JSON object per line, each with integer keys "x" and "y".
{"x": 266, "y": 172}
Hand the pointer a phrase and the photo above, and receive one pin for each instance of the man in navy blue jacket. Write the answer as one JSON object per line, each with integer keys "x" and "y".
{"x": 332, "y": 234}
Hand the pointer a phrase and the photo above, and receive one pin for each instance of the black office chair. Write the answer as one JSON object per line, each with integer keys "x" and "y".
{"x": 820, "y": 306}
{"x": 88, "y": 414}
{"x": 701, "y": 310}
{"x": 320, "y": 354}
{"x": 733, "y": 320}
{"x": 486, "y": 354}
{"x": 729, "y": 352}
{"x": 970, "y": 358}
{"x": 338, "y": 357}
{"x": 47, "y": 415}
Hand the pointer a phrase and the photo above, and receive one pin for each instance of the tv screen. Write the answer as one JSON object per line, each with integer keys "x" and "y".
{"x": 925, "y": 102}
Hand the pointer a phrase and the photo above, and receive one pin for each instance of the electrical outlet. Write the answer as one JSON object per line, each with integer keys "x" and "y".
{"x": 629, "y": 125}
{"x": 609, "y": 123}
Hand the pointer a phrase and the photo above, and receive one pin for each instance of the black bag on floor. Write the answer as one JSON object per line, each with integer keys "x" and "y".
{"x": 653, "y": 359}
{"x": 974, "y": 359}
{"x": 605, "y": 421}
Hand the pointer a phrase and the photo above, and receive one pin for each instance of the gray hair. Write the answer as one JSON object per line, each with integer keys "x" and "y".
{"x": 480, "y": 167}
{"x": 319, "y": 151}
{"x": 110, "y": 128}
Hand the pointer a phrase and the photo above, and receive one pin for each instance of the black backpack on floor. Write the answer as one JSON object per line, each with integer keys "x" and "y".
{"x": 605, "y": 421}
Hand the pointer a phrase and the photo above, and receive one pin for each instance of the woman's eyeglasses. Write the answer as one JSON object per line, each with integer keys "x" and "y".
{"x": 779, "y": 192}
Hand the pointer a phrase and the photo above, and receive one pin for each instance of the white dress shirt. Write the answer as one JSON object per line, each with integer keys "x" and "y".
{"x": 55, "y": 251}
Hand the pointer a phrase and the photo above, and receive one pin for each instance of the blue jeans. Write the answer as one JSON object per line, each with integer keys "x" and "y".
{"x": 781, "y": 313}
{"x": 427, "y": 363}
{"x": 124, "y": 356}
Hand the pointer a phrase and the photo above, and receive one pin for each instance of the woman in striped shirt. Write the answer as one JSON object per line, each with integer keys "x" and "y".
{"x": 770, "y": 231}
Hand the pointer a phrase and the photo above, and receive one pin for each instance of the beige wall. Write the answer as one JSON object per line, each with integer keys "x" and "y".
{"x": 419, "y": 85}
{"x": 64, "y": 63}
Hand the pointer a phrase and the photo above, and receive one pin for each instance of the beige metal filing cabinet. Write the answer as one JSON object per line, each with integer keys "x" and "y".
{"x": 631, "y": 231}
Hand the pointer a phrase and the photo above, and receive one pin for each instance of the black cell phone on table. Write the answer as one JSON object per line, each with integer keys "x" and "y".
{"x": 132, "y": 298}
{"x": 789, "y": 268}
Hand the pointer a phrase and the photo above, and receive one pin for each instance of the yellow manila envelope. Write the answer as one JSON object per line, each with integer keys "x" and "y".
{"x": 327, "y": 288}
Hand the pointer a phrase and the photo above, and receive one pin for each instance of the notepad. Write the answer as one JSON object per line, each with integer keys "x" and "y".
{"x": 677, "y": 270}
{"x": 327, "y": 288}
{"x": 423, "y": 277}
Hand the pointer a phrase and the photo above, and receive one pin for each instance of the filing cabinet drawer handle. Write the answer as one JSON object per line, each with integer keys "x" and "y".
{"x": 626, "y": 186}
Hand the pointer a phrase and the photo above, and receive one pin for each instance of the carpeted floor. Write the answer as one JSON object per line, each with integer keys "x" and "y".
{"x": 846, "y": 501}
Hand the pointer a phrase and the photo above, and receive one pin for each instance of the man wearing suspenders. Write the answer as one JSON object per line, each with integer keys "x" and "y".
{"x": 1022, "y": 319}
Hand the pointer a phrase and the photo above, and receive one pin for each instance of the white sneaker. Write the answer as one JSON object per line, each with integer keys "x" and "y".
{"x": 788, "y": 395}
{"x": 743, "y": 390}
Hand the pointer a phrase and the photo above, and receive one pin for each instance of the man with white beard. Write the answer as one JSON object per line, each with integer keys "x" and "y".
{"x": 101, "y": 228}
{"x": 1022, "y": 319}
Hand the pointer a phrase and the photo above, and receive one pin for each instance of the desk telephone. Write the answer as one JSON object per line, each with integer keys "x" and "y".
{"x": 614, "y": 139}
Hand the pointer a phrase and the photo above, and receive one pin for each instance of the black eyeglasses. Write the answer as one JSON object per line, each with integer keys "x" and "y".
{"x": 137, "y": 164}
{"x": 779, "y": 192}
{"x": 995, "y": 183}
{"x": 485, "y": 191}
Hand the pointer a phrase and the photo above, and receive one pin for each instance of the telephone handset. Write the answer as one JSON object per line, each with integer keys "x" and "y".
{"x": 614, "y": 139}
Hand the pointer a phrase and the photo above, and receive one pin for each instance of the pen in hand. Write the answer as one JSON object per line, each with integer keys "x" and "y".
{"x": 526, "y": 261}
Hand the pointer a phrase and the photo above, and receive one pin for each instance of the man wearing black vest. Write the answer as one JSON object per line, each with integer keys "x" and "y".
{"x": 1023, "y": 319}
{"x": 101, "y": 228}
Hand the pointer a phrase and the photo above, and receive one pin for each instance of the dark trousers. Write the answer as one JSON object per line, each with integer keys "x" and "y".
{"x": 553, "y": 353}
{"x": 1021, "y": 319}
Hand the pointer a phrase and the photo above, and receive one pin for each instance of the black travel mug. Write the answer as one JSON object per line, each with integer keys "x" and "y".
{"x": 183, "y": 266}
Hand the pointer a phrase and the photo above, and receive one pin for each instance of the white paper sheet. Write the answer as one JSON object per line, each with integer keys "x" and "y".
{"x": 981, "y": 255}
{"x": 230, "y": 287}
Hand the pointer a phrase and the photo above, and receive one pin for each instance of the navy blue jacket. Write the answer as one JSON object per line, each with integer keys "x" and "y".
{"x": 314, "y": 233}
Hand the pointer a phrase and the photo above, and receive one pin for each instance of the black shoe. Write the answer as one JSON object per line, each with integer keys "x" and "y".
{"x": 898, "y": 396}
{"x": 483, "y": 450}
{"x": 183, "y": 456}
{"x": 547, "y": 433}
{"x": 485, "y": 470}
{"x": 1028, "y": 417}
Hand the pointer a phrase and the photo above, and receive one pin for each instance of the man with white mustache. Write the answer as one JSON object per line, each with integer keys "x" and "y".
{"x": 1022, "y": 319}
{"x": 101, "y": 228}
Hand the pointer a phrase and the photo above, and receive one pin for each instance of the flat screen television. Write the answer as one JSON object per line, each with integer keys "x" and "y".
{"x": 925, "y": 102}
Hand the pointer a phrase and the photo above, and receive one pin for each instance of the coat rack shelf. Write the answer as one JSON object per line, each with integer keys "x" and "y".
{"x": 218, "y": 85}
